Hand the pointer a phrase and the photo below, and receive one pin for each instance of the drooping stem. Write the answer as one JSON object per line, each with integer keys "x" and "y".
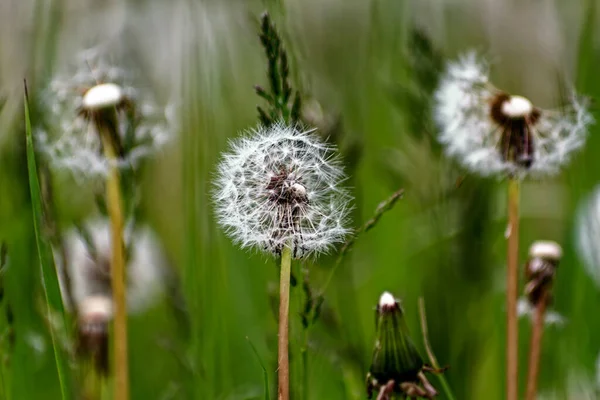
{"x": 283, "y": 370}
{"x": 512, "y": 283}
{"x": 535, "y": 346}
{"x": 117, "y": 267}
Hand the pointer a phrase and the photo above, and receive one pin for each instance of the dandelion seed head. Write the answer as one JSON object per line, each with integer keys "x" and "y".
{"x": 493, "y": 133}
{"x": 87, "y": 263}
{"x": 96, "y": 308}
{"x": 70, "y": 141}
{"x": 588, "y": 234}
{"x": 280, "y": 186}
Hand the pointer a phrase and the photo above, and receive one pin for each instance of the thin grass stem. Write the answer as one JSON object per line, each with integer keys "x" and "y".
{"x": 283, "y": 370}
{"x": 430, "y": 354}
{"x": 535, "y": 347}
{"x": 512, "y": 283}
{"x": 115, "y": 211}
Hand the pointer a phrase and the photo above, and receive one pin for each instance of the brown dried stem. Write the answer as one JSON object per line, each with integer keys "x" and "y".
{"x": 535, "y": 346}
{"x": 283, "y": 370}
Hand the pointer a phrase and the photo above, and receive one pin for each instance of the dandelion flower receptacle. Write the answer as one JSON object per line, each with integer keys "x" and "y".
{"x": 281, "y": 186}
{"x": 492, "y": 132}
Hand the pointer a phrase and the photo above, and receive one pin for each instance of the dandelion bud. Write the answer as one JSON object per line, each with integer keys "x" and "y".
{"x": 279, "y": 186}
{"x": 492, "y": 132}
{"x": 397, "y": 366}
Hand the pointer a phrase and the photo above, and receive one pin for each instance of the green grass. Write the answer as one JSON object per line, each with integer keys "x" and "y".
{"x": 357, "y": 59}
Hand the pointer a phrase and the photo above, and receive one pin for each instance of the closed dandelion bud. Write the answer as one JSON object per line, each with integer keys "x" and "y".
{"x": 280, "y": 186}
{"x": 397, "y": 366}
{"x": 492, "y": 132}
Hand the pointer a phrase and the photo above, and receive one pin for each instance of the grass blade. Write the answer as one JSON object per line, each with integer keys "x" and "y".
{"x": 265, "y": 374}
{"x": 48, "y": 272}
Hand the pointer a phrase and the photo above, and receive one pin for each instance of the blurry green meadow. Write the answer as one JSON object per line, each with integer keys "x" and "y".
{"x": 366, "y": 70}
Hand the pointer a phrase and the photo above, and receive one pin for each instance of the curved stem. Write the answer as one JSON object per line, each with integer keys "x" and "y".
{"x": 115, "y": 211}
{"x": 535, "y": 347}
{"x": 512, "y": 283}
{"x": 283, "y": 370}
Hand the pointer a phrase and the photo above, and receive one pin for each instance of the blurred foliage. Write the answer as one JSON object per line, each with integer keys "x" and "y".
{"x": 366, "y": 71}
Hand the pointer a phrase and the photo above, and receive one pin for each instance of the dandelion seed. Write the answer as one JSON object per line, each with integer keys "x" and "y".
{"x": 72, "y": 143}
{"x": 280, "y": 186}
{"x": 492, "y": 132}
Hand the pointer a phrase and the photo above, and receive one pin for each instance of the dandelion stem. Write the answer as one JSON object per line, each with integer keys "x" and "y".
{"x": 512, "y": 283}
{"x": 115, "y": 210}
{"x": 430, "y": 354}
{"x": 535, "y": 346}
{"x": 283, "y": 392}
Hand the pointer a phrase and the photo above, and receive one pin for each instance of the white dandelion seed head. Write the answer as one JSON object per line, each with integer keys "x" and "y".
{"x": 281, "y": 186}
{"x": 96, "y": 308}
{"x": 588, "y": 234}
{"x": 463, "y": 113}
{"x": 88, "y": 267}
{"x": 71, "y": 142}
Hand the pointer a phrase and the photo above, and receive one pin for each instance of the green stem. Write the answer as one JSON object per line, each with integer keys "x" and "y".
{"x": 512, "y": 283}
{"x": 283, "y": 370}
{"x": 115, "y": 211}
{"x": 430, "y": 354}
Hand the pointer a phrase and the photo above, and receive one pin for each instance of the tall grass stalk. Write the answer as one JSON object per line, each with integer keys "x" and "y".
{"x": 512, "y": 283}
{"x": 283, "y": 370}
{"x": 48, "y": 271}
{"x": 115, "y": 211}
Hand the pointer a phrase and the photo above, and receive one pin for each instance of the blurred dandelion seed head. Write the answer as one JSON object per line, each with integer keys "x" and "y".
{"x": 588, "y": 234}
{"x": 71, "y": 142}
{"x": 494, "y": 133}
{"x": 280, "y": 186}
{"x": 87, "y": 263}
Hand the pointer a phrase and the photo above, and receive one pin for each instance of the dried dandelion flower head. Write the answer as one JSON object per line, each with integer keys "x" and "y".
{"x": 280, "y": 186}
{"x": 588, "y": 234}
{"x": 492, "y": 132}
{"x": 75, "y": 104}
{"x": 86, "y": 264}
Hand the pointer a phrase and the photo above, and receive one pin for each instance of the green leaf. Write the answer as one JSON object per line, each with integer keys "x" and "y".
{"x": 49, "y": 275}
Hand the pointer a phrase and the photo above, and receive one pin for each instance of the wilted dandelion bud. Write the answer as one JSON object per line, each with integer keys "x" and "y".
{"x": 94, "y": 314}
{"x": 588, "y": 234}
{"x": 492, "y": 132}
{"x": 540, "y": 271}
{"x": 87, "y": 266}
{"x": 98, "y": 97}
{"x": 280, "y": 186}
{"x": 397, "y": 367}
